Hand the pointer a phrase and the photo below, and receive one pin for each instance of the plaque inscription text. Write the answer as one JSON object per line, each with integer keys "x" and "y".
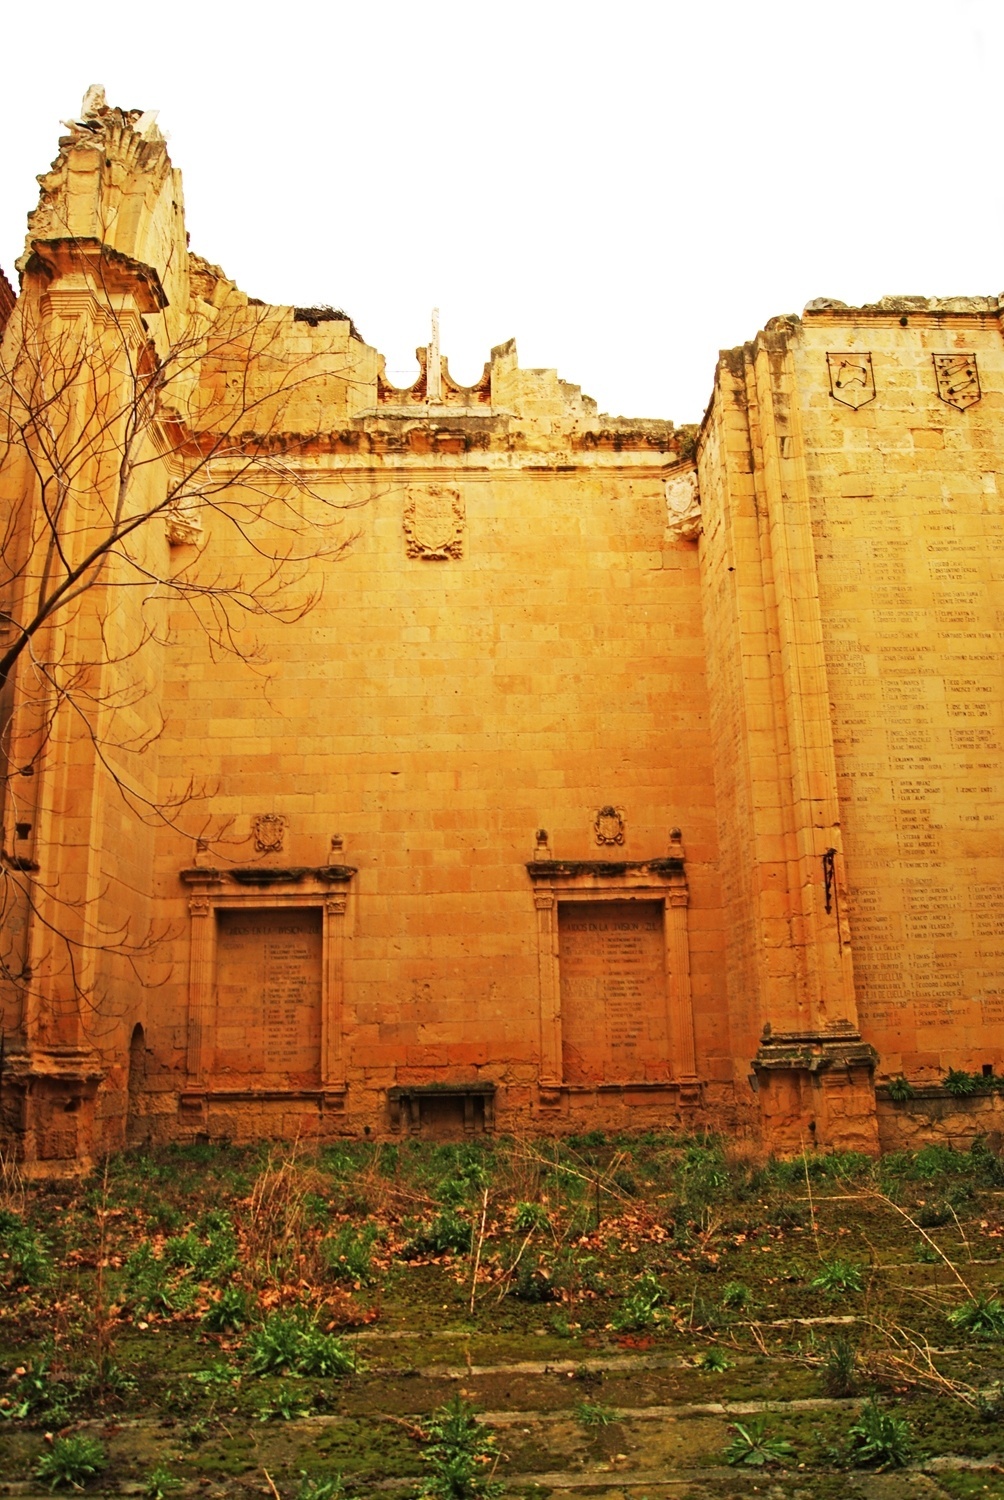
{"x": 613, "y": 991}
{"x": 268, "y": 996}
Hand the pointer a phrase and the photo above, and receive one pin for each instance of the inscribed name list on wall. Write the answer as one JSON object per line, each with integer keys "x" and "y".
{"x": 268, "y": 996}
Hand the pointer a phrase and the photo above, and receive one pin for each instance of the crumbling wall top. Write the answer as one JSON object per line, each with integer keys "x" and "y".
{"x": 7, "y": 299}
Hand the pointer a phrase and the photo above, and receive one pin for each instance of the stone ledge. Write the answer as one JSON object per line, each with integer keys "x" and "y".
{"x": 814, "y": 1052}
{"x": 569, "y": 869}
{"x": 269, "y": 874}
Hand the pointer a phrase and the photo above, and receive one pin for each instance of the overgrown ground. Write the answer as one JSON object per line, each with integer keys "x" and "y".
{"x": 647, "y": 1316}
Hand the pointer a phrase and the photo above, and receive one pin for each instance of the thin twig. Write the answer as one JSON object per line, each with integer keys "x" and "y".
{"x": 882, "y": 1198}
{"x": 962, "y": 1233}
{"x": 481, "y": 1240}
{"x": 812, "y": 1207}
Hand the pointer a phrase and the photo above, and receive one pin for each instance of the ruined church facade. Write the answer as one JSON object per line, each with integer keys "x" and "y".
{"x": 454, "y": 759}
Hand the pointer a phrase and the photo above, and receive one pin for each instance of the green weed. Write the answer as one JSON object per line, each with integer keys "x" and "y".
{"x": 209, "y": 1259}
{"x": 348, "y": 1254}
{"x": 231, "y": 1311}
{"x": 73, "y": 1461}
{"x": 754, "y": 1445}
{"x": 448, "y": 1234}
{"x": 901, "y": 1089}
{"x": 285, "y": 1345}
{"x": 314, "y": 1487}
{"x": 838, "y": 1276}
{"x": 983, "y": 1317}
{"x": 839, "y": 1370}
{"x": 24, "y": 1256}
{"x": 38, "y": 1394}
{"x": 879, "y": 1438}
{"x": 160, "y": 1483}
{"x": 285, "y": 1406}
{"x": 461, "y": 1455}
{"x": 532, "y": 1283}
{"x": 594, "y": 1414}
{"x": 736, "y": 1295}
{"x": 640, "y": 1308}
{"x": 151, "y": 1287}
{"x": 959, "y": 1084}
{"x": 714, "y": 1362}
{"x": 530, "y": 1216}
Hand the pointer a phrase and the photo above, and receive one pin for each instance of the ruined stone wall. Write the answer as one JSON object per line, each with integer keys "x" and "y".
{"x": 7, "y": 299}
{"x": 455, "y": 759}
{"x": 80, "y": 745}
{"x": 454, "y": 692}
{"x": 908, "y": 519}
{"x": 851, "y": 558}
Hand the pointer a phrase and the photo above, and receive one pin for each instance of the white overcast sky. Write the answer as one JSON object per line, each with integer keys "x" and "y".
{"x": 625, "y": 188}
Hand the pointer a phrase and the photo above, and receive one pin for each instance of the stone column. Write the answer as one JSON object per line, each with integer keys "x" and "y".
{"x": 681, "y": 1008}
{"x": 200, "y": 985}
{"x": 550, "y": 991}
{"x": 333, "y": 993}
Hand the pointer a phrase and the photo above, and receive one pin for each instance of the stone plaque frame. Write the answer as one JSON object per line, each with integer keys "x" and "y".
{"x": 661, "y": 880}
{"x": 264, "y": 888}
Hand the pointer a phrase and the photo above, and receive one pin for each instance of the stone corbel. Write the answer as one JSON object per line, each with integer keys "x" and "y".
{"x": 182, "y": 526}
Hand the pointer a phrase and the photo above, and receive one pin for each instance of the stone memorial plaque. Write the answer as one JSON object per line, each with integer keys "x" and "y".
{"x": 268, "y": 997}
{"x": 613, "y": 991}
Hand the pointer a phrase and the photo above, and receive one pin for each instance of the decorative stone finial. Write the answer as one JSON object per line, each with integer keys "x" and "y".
{"x": 434, "y": 367}
{"x": 94, "y": 103}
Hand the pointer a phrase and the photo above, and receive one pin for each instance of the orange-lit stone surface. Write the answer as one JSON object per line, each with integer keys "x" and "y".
{"x": 267, "y": 1019}
{"x": 613, "y": 992}
{"x": 593, "y": 772}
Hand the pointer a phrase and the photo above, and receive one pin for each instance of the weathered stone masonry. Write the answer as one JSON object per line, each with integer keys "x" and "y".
{"x": 619, "y": 774}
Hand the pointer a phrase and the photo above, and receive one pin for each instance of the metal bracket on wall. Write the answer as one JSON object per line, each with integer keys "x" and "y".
{"x": 829, "y": 877}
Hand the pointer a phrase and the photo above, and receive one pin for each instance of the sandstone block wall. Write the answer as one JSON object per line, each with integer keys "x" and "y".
{"x": 460, "y": 758}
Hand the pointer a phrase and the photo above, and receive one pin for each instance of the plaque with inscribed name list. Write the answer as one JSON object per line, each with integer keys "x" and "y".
{"x": 613, "y": 991}
{"x": 268, "y": 997}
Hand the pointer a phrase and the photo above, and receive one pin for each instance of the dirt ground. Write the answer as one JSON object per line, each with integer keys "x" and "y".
{"x": 642, "y": 1317}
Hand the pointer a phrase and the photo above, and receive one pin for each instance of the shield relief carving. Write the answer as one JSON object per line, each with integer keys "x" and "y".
{"x": 852, "y": 379}
{"x": 958, "y": 379}
{"x": 269, "y": 832}
{"x": 434, "y": 523}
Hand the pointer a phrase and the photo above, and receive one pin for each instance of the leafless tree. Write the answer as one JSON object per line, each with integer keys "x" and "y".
{"x": 125, "y": 441}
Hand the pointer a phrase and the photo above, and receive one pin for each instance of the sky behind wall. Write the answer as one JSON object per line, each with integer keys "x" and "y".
{"x": 624, "y": 188}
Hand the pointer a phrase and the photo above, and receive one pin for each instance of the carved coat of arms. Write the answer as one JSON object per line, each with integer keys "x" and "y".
{"x": 434, "y": 523}
{"x": 269, "y": 830}
{"x": 852, "y": 379}
{"x": 683, "y": 506}
{"x": 958, "y": 379}
{"x": 608, "y": 826}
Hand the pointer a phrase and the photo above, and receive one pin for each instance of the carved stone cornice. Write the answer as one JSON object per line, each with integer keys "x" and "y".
{"x": 603, "y": 869}
{"x": 113, "y": 271}
{"x": 814, "y": 1052}
{"x": 269, "y": 874}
